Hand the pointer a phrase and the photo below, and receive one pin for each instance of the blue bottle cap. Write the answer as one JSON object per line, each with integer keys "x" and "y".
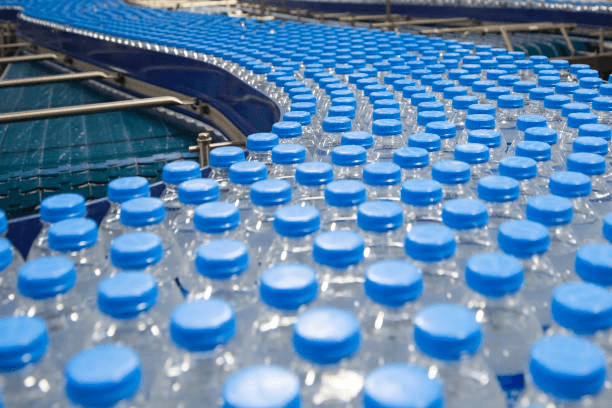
{"x": 464, "y": 213}
{"x": 525, "y": 122}
{"x": 399, "y": 86}
{"x": 202, "y": 325}
{"x": 379, "y": 216}
{"x": 444, "y": 129}
{"x": 479, "y": 121}
{"x": 386, "y": 104}
{"x": 216, "y": 217}
{"x": 498, "y": 189}
{"x": 62, "y": 206}
{"x": 386, "y": 127}
{"x": 348, "y": 155}
{"x": 584, "y": 308}
{"x": 177, "y": 172}
{"x": 198, "y": 191}
{"x": 549, "y": 210}
{"x": 541, "y": 134}
{"x": 442, "y": 84}
{"x": 73, "y": 234}
{"x": 556, "y": 101}
{"x": 523, "y": 238}
{"x": 222, "y": 258}
{"x": 463, "y": 102}
{"x": 590, "y": 144}
{"x": 567, "y": 367}
{"x": 6, "y": 253}
{"x": 605, "y": 89}
{"x": 450, "y": 172}
{"x": 430, "y": 106}
{"x": 539, "y": 94}
{"x": 575, "y": 120}
{"x": 594, "y": 262}
{"x": 538, "y": 151}
{"x": 267, "y": 193}
{"x": 508, "y": 80}
{"x": 411, "y": 157}
{"x": 548, "y": 81}
{"x": 560, "y": 64}
{"x": 359, "y": 138}
{"x": 430, "y": 242}
{"x": 288, "y": 153}
{"x": 482, "y": 109}
{"x": 24, "y": 341}
{"x": 338, "y": 249}
{"x": 247, "y": 172}
{"x": 602, "y": 103}
{"x": 126, "y": 188}
{"x": 539, "y": 59}
{"x": 402, "y": 385}
{"x": 341, "y": 110}
{"x": 223, "y": 157}
{"x": 261, "y": 142}
{"x": 590, "y": 164}
{"x": 569, "y": 184}
{"x": 468, "y": 79}
{"x": 3, "y": 223}
{"x": 136, "y": 250}
{"x": 425, "y": 117}
{"x": 344, "y": 101}
{"x": 382, "y": 174}
{"x": 447, "y": 331}
{"x": 495, "y": 92}
{"x": 46, "y": 277}
{"x": 456, "y": 73}
{"x": 510, "y": 101}
{"x": 386, "y": 113}
{"x": 428, "y": 141}
{"x": 575, "y": 107}
{"x": 421, "y": 192}
{"x": 336, "y": 124}
{"x": 595, "y": 130}
{"x": 519, "y": 168}
{"x": 296, "y": 221}
{"x": 309, "y": 107}
{"x": 587, "y": 73}
{"x": 523, "y": 86}
{"x": 490, "y": 138}
{"x": 102, "y": 376}
{"x": 314, "y": 173}
{"x": 471, "y": 153}
{"x": 308, "y": 98}
{"x": 262, "y": 386}
{"x": 585, "y": 95}
{"x": 288, "y": 286}
{"x": 494, "y": 274}
{"x": 393, "y": 283}
{"x": 481, "y": 86}
{"x": 287, "y": 129}
{"x": 326, "y": 335}
{"x": 139, "y": 212}
{"x": 453, "y": 91}
{"x": 126, "y": 295}
{"x": 411, "y": 90}
{"x": 345, "y": 193}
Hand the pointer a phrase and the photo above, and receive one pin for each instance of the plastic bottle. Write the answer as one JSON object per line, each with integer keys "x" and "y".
{"x": 476, "y": 155}
{"x": 393, "y": 288}
{"x": 552, "y": 110}
{"x": 509, "y": 326}
{"x": 204, "y": 344}
{"x": 422, "y": 199}
{"x": 295, "y": 227}
{"x": 535, "y": 105}
{"x": 542, "y": 154}
{"x": 382, "y": 181}
{"x": 259, "y": 147}
{"x": 387, "y": 134}
{"x": 330, "y": 137}
{"x": 311, "y": 178}
{"x": 9, "y": 265}
{"x": 524, "y": 170}
{"x": 380, "y": 224}
{"x": 432, "y": 247}
{"x": 501, "y": 195}
{"x": 342, "y": 198}
{"x": 454, "y": 177}
{"x": 241, "y": 176}
{"x": 592, "y": 262}
{"x": 221, "y": 159}
{"x": 276, "y": 387}
{"x": 476, "y": 122}
{"x": 493, "y": 140}
{"x": 549, "y": 136}
{"x": 348, "y": 162}
{"x": 307, "y": 139}
{"x": 602, "y": 107}
{"x": 401, "y": 384}
{"x": 53, "y": 209}
{"x": 529, "y": 241}
{"x": 565, "y": 371}
{"x": 447, "y": 131}
{"x": 414, "y": 162}
{"x": 327, "y": 341}
{"x": 510, "y": 108}
{"x": 173, "y": 174}
{"x": 594, "y": 166}
{"x": 448, "y": 340}
{"x": 285, "y": 159}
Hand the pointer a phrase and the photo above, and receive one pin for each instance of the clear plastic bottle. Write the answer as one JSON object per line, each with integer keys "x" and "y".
{"x": 432, "y": 247}
{"x": 594, "y": 166}
{"x": 276, "y": 387}
{"x": 327, "y": 341}
{"x": 393, "y": 288}
{"x": 509, "y": 326}
{"x": 119, "y": 191}
{"x": 348, "y": 162}
{"x": 204, "y": 344}
{"x": 311, "y": 178}
{"x": 288, "y": 131}
{"x": 501, "y": 195}
{"x": 422, "y": 199}
{"x": 414, "y": 162}
{"x": 242, "y": 175}
{"x": 307, "y": 139}
{"x": 524, "y": 170}
{"x": 448, "y": 339}
{"x": 342, "y": 198}
{"x": 221, "y": 159}
{"x": 577, "y": 188}
{"x": 387, "y": 134}
{"x": 552, "y": 110}
{"x": 565, "y": 371}
{"x": 454, "y": 176}
{"x": 529, "y": 241}
{"x": 535, "y": 105}
{"x": 285, "y": 290}
{"x": 28, "y": 375}
{"x": 602, "y": 107}
{"x": 447, "y": 131}
{"x": 380, "y": 224}
{"x": 338, "y": 255}
{"x": 510, "y": 108}
{"x": 382, "y": 181}
{"x": 593, "y": 261}
{"x": 425, "y": 116}
{"x": 332, "y": 130}
{"x": 476, "y": 155}
{"x": 285, "y": 159}
{"x": 402, "y": 384}
{"x": 259, "y": 147}
{"x": 173, "y": 174}
{"x": 476, "y": 122}
{"x": 542, "y": 154}
{"x": 493, "y": 140}
{"x": 9, "y": 265}
{"x": 192, "y": 193}
{"x": 53, "y": 209}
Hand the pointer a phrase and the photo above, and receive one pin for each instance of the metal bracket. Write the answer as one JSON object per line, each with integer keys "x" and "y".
{"x": 27, "y": 58}
{"x": 205, "y": 145}
{"x": 49, "y": 79}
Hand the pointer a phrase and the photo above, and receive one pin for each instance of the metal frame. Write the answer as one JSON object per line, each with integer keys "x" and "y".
{"x": 79, "y": 76}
